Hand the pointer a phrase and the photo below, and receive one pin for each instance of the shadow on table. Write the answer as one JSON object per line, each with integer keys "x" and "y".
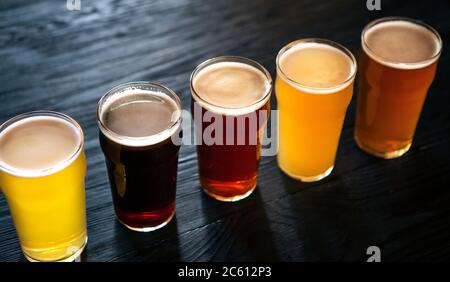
{"x": 160, "y": 245}
{"x": 238, "y": 231}
{"x": 330, "y": 225}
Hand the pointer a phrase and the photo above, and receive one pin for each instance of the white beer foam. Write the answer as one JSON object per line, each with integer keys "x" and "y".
{"x": 314, "y": 45}
{"x": 146, "y": 140}
{"x": 402, "y": 24}
{"x": 260, "y": 95}
{"x": 29, "y": 173}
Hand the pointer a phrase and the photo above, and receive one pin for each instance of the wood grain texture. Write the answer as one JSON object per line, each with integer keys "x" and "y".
{"x": 52, "y": 58}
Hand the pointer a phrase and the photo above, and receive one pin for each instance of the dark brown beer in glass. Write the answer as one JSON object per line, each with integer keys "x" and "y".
{"x": 233, "y": 93}
{"x": 137, "y": 121}
{"x": 398, "y": 64}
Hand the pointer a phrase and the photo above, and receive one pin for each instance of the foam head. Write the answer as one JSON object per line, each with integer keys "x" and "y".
{"x": 36, "y": 144}
{"x": 138, "y": 117}
{"x": 231, "y": 87}
{"x": 316, "y": 66}
{"x": 401, "y": 42}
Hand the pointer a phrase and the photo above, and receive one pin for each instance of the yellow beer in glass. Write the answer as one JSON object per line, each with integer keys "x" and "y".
{"x": 314, "y": 86}
{"x": 42, "y": 170}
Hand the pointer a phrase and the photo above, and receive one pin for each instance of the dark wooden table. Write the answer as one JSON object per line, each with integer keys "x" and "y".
{"x": 53, "y": 58}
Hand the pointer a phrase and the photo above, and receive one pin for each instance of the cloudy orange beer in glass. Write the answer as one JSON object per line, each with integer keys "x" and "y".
{"x": 398, "y": 65}
{"x": 314, "y": 86}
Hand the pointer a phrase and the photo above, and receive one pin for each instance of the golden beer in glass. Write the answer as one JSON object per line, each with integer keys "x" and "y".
{"x": 42, "y": 170}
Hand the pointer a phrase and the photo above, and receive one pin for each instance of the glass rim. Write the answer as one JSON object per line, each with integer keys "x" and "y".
{"x": 232, "y": 59}
{"x": 54, "y": 169}
{"x": 311, "y": 89}
{"x": 139, "y": 85}
{"x": 384, "y": 61}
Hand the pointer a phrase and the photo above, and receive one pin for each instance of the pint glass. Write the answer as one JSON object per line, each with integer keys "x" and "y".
{"x": 314, "y": 87}
{"x": 230, "y": 105}
{"x": 398, "y": 64}
{"x": 42, "y": 171}
{"x": 137, "y": 122}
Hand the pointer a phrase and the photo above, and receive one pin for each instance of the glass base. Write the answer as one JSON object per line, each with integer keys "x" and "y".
{"x": 230, "y": 199}
{"x": 75, "y": 257}
{"x": 385, "y": 155}
{"x": 150, "y": 228}
{"x": 307, "y": 178}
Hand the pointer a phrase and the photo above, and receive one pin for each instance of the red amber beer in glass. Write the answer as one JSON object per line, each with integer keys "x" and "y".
{"x": 234, "y": 92}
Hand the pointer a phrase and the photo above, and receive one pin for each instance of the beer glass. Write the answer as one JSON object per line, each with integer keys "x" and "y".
{"x": 230, "y": 106}
{"x": 137, "y": 122}
{"x": 42, "y": 171}
{"x": 314, "y": 86}
{"x": 398, "y": 64}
